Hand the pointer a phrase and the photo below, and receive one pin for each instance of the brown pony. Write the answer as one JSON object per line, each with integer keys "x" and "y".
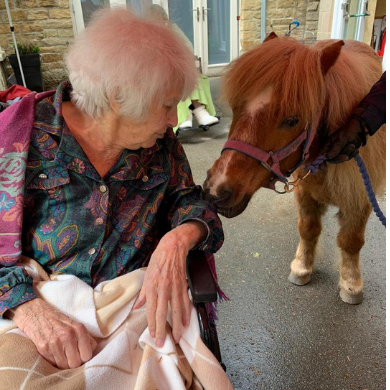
{"x": 277, "y": 91}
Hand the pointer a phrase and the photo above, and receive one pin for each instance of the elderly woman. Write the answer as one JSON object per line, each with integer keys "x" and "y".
{"x": 107, "y": 191}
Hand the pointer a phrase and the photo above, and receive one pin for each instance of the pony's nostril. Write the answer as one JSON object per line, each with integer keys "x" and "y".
{"x": 217, "y": 195}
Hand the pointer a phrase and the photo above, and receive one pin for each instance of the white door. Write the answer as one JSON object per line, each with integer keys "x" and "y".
{"x": 211, "y": 26}
{"x": 349, "y": 19}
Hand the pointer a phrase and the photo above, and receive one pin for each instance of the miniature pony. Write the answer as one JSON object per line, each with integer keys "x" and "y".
{"x": 285, "y": 93}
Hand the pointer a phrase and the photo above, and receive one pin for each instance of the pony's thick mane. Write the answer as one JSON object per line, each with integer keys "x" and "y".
{"x": 294, "y": 72}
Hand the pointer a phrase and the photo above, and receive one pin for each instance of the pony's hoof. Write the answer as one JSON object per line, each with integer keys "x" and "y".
{"x": 352, "y": 299}
{"x": 299, "y": 280}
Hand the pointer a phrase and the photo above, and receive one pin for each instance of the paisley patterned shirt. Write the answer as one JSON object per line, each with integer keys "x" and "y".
{"x": 76, "y": 222}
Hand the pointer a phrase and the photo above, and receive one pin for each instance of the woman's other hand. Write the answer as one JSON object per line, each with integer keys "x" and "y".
{"x": 165, "y": 281}
{"x": 60, "y": 340}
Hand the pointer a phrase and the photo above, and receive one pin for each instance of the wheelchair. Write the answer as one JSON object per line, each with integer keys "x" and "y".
{"x": 204, "y": 292}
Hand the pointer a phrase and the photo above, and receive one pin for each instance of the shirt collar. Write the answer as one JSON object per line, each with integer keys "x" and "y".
{"x": 133, "y": 164}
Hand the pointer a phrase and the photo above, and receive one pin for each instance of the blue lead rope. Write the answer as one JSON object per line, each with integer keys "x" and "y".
{"x": 370, "y": 191}
{"x": 314, "y": 166}
{"x": 367, "y": 183}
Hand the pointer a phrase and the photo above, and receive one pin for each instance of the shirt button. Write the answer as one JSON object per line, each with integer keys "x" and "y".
{"x": 42, "y": 176}
{"x": 92, "y": 251}
{"x": 103, "y": 188}
{"x": 99, "y": 221}
{"x": 145, "y": 179}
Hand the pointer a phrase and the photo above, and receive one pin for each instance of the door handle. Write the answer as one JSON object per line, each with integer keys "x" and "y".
{"x": 204, "y": 11}
{"x": 346, "y": 15}
{"x": 197, "y": 13}
{"x": 366, "y": 9}
{"x": 345, "y": 7}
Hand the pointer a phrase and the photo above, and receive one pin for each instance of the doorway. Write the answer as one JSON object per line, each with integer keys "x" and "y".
{"x": 355, "y": 12}
{"x": 210, "y": 25}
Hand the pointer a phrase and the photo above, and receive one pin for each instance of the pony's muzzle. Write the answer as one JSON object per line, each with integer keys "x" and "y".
{"x": 221, "y": 196}
{"x": 224, "y": 200}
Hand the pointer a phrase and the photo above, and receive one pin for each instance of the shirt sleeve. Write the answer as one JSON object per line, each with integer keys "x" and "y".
{"x": 15, "y": 287}
{"x": 373, "y": 106}
{"x": 185, "y": 200}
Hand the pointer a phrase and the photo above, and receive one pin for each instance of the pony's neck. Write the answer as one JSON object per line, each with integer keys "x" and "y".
{"x": 322, "y": 134}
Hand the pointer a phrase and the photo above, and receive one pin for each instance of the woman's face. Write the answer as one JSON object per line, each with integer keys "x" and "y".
{"x": 131, "y": 135}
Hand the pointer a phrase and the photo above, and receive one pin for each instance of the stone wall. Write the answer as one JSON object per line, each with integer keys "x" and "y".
{"x": 325, "y": 19}
{"x": 46, "y": 23}
{"x": 280, "y": 13}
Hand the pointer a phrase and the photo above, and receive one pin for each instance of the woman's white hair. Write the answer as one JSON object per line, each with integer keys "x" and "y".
{"x": 128, "y": 60}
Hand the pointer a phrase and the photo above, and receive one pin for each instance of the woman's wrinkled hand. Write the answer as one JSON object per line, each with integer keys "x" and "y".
{"x": 60, "y": 340}
{"x": 345, "y": 142}
{"x": 165, "y": 281}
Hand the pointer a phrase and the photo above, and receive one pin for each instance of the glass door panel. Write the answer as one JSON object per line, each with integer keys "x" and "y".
{"x": 138, "y": 6}
{"x": 211, "y": 26}
{"x": 90, "y": 6}
{"x": 354, "y": 20}
{"x": 181, "y": 13}
{"x": 218, "y": 26}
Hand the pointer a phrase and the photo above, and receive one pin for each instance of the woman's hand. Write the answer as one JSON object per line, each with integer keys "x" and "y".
{"x": 165, "y": 281}
{"x": 60, "y": 340}
{"x": 344, "y": 143}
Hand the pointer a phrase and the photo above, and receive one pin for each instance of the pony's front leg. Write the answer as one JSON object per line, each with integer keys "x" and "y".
{"x": 350, "y": 240}
{"x": 309, "y": 225}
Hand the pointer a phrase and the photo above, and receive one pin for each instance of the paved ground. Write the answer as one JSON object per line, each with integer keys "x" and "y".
{"x": 277, "y": 336}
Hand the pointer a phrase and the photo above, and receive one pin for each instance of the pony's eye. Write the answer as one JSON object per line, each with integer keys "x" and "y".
{"x": 290, "y": 122}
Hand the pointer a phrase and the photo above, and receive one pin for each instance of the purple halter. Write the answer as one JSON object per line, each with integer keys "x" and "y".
{"x": 263, "y": 157}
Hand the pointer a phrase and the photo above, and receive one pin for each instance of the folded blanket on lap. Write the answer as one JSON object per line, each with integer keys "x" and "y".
{"x": 126, "y": 356}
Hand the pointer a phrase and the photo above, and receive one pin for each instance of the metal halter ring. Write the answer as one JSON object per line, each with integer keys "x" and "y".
{"x": 295, "y": 183}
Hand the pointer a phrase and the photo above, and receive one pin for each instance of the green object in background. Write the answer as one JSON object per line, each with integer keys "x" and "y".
{"x": 202, "y": 94}
{"x": 25, "y": 48}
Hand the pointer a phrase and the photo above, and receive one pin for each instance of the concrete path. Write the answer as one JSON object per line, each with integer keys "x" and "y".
{"x": 277, "y": 336}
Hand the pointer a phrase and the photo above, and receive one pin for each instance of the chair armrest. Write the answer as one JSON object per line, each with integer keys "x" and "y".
{"x": 200, "y": 279}
{"x": 203, "y": 290}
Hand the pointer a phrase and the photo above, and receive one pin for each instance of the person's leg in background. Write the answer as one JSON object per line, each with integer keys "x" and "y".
{"x": 200, "y": 104}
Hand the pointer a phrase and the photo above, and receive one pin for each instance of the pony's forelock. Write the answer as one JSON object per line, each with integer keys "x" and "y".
{"x": 134, "y": 61}
{"x": 286, "y": 66}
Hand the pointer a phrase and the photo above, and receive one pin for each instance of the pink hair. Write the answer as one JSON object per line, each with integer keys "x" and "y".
{"x": 132, "y": 60}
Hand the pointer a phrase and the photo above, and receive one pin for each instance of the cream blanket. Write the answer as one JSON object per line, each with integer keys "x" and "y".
{"x": 126, "y": 356}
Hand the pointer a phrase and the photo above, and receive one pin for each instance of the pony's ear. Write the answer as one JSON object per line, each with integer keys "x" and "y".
{"x": 271, "y": 35}
{"x": 329, "y": 55}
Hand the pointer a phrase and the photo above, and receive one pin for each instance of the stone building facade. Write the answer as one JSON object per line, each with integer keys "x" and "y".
{"x": 279, "y": 14}
{"x": 46, "y": 23}
{"x": 316, "y": 17}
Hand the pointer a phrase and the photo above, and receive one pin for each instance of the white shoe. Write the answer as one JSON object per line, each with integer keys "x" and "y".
{"x": 203, "y": 117}
{"x": 187, "y": 123}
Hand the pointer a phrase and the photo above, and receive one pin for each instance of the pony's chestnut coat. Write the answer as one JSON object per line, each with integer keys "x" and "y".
{"x": 276, "y": 91}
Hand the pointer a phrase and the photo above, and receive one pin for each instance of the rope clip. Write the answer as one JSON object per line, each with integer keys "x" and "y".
{"x": 290, "y": 186}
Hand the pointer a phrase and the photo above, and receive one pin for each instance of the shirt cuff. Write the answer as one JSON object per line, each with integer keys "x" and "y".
{"x": 204, "y": 245}
{"x": 373, "y": 119}
{"x": 19, "y": 294}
